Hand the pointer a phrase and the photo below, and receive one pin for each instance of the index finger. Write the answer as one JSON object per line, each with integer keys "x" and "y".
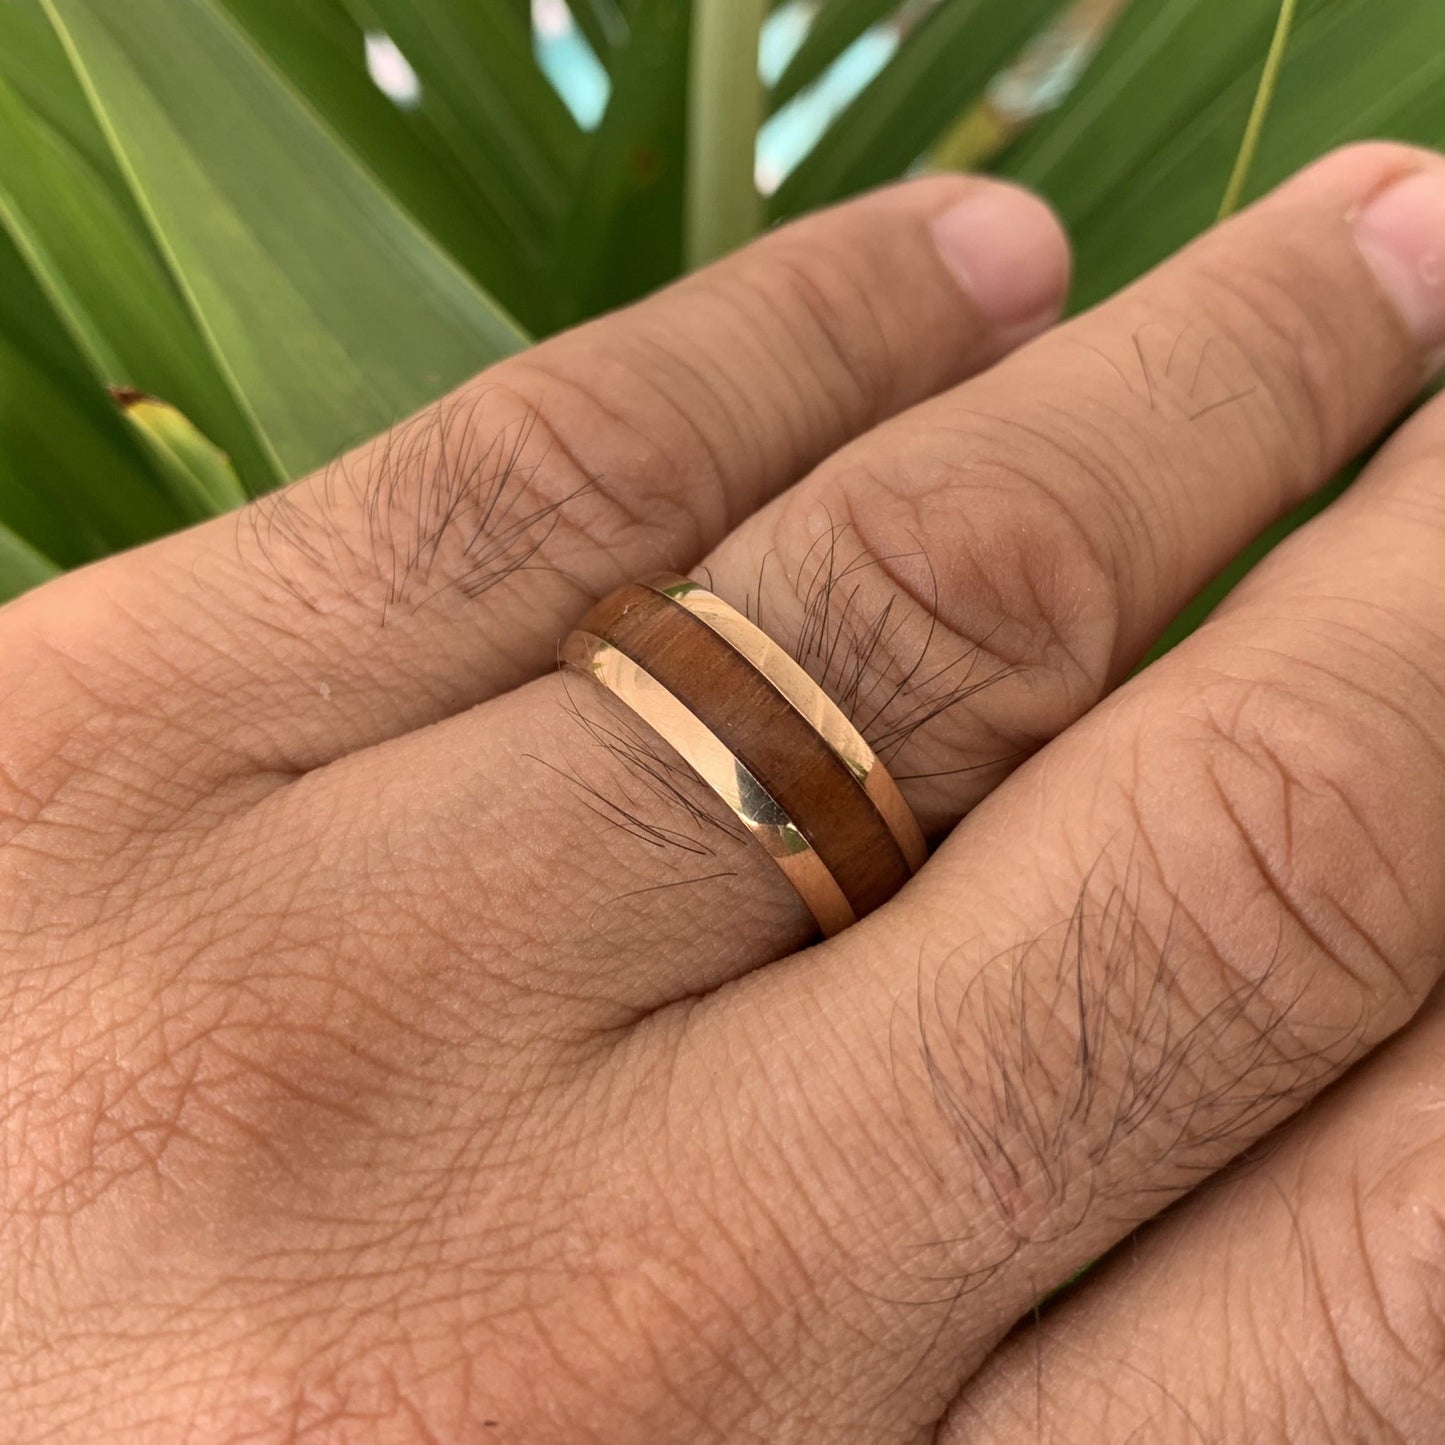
{"x": 437, "y": 566}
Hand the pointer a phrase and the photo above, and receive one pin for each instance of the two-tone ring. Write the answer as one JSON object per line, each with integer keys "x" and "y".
{"x": 762, "y": 735}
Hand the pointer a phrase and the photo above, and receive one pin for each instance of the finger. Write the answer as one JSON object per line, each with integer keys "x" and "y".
{"x": 1071, "y": 517}
{"x": 1190, "y": 913}
{"x": 977, "y": 573}
{"x": 1299, "y": 1300}
{"x": 436, "y": 566}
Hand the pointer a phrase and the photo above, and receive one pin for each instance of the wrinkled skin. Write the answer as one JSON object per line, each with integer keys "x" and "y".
{"x": 399, "y": 1045}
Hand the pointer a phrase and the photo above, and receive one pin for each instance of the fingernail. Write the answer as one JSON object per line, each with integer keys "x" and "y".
{"x": 1402, "y": 234}
{"x": 1008, "y": 250}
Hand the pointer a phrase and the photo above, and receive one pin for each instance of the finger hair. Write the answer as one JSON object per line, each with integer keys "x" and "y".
{"x": 438, "y": 510}
{"x": 1083, "y": 1083}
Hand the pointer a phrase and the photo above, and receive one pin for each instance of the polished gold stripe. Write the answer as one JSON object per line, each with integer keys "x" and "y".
{"x": 822, "y": 714}
{"x": 720, "y": 769}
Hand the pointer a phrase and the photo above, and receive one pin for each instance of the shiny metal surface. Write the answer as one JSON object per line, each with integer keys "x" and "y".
{"x": 709, "y": 757}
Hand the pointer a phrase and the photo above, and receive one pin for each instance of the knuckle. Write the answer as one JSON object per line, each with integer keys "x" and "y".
{"x": 1312, "y": 833}
{"x": 1001, "y": 500}
{"x": 1062, "y": 1071}
{"x": 1281, "y": 341}
{"x": 193, "y": 1070}
{"x": 64, "y": 726}
{"x": 1302, "y": 330}
{"x": 28, "y": 776}
{"x": 834, "y": 326}
{"x": 528, "y": 460}
{"x": 969, "y": 551}
{"x": 1414, "y": 496}
{"x": 1375, "y": 1238}
{"x": 111, "y": 1095}
{"x": 302, "y": 1393}
{"x": 604, "y": 475}
{"x": 833, "y": 282}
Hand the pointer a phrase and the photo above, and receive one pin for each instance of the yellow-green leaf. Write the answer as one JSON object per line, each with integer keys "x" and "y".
{"x": 198, "y": 468}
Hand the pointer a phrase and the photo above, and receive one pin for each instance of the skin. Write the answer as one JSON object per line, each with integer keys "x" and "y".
{"x": 398, "y": 1045}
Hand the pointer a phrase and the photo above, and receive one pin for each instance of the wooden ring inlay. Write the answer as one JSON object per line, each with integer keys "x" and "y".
{"x": 787, "y": 737}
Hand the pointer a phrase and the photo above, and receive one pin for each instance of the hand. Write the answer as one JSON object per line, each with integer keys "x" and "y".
{"x": 400, "y": 1046}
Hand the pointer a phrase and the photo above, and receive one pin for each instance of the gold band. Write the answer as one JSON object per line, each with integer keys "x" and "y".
{"x": 824, "y": 715}
{"x": 762, "y": 735}
{"x": 710, "y": 759}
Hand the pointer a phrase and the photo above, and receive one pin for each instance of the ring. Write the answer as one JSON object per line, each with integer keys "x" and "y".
{"x": 771, "y": 744}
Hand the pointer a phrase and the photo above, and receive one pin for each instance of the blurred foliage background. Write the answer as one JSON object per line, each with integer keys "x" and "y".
{"x": 237, "y": 236}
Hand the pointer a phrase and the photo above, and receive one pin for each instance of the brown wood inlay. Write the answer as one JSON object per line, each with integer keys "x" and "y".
{"x": 765, "y": 733}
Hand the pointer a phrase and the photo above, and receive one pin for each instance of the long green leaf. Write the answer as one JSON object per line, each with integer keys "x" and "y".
{"x": 330, "y": 310}
{"x": 724, "y": 209}
{"x": 623, "y": 235}
{"x": 1136, "y": 160}
{"x": 107, "y": 282}
{"x": 944, "y": 64}
{"x": 66, "y": 205}
{"x": 834, "y": 28}
{"x": 1346, "y": 77}
{"x": 74, "y": 482}
{"x": 1034, "y": 84}
{"x": 320, "y": 48}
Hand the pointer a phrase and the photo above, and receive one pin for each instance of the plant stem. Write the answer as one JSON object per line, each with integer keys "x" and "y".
{"x": 1263, "y": 98}
{"x": 725, "y": 109}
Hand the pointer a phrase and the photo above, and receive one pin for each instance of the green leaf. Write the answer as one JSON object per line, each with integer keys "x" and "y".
{"x": 724, "y": 209}
{"x": 1348, "y": 77}
{"x": 66, "y": 204}
{"x": 1137, "y": 160}
{"x": 34, "y": 62}
{"x": 320, "y": 48}
{"x": 330, "y": 311}
{"x": 623, "y": 235}
{"x": 21, "y": 566}
{"x": 1035, "y": 83}
{"x": 942, "y": 66}
{"x": 834, "y": 28}
{"x": 603, "y": 26}
{"x": 108, "y": 283}
{"x": 489, "y": 100}
{"x": 1166, "y": 64}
